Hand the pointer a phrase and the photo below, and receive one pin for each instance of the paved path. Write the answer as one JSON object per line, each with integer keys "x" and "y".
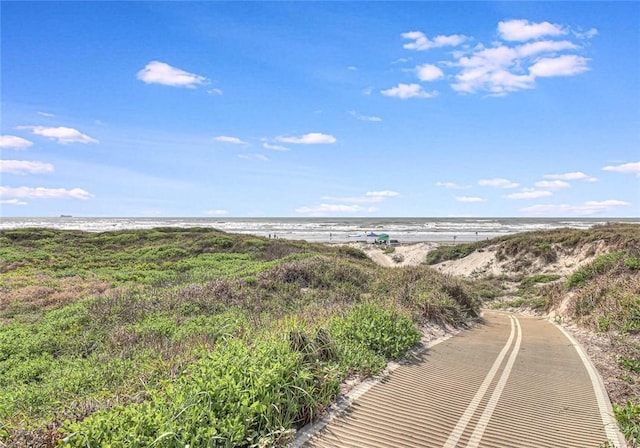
{"x": 514, "y": 382}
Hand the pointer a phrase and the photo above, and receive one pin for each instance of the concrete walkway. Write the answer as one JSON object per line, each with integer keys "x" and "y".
{"x": 513, "y": 382}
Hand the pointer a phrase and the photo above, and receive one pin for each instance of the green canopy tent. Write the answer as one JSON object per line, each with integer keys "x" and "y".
{"x": 383, "y": 238}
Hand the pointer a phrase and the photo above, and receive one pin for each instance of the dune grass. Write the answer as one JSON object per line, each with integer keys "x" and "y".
{"x": 194, "y": 336}
{"x": 545, "y": 244}
{"x": 602, "y": 295}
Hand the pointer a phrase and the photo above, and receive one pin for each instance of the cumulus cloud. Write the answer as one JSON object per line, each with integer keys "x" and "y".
{"x": 513, "y": 64}
{"x": 360, "y": 117}
{"x": 552, "y": 184}
{"x": 523, "y": 30}
{"x": 470, "y": 199}
{"x": 156, "y": 72}
{"x": 348, "y": 204}
{"x": 227, "y": 139}
{"x": 406, "y": 91}
{"x": 14, "y": 142}
{"x": 61, "y": 134}
{"x": 44, "y": 193}
{"x": 631, "y": 167}
{"x": 544, "y": 46}
{"x": 529, "y": 194}
{"x": 498, "y": 183}
{"x": 312, "y": 138}
{"x": 256, "y": 156}
{"x": 586, "y": 34}
{"x": 370, "y": 196}
{"x": 383, "y": 194}
{"x": 429, "y": 72}
{"x": 574, "y": 175}
{"x": 216, "y": 212}
{"x": 331, "y": 208}
{"x": 452, "y": 185}
{"x": 421, "y": 42}
{"x": 566, "y": 65}
{"x": 275, "y": 147}
{"x": 24, "y": 167}
{"x": 586, "y": 209}
{"x": 13, "y": 202}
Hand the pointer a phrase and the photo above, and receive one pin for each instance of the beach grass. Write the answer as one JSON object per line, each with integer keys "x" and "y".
{"x": 169, "y": 336}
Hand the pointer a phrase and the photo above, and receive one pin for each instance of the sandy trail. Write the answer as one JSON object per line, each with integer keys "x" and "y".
{"x": 409, "y": 254}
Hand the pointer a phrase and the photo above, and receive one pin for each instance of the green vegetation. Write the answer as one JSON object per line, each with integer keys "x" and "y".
{"x": 545, "y": 244}
{"x": 445, "y": 252}
{"x": 628, "y": 417}
{"x": 603, "y": 295}
{"x": 169, "y": 337}
{"x": 599, "y": 266}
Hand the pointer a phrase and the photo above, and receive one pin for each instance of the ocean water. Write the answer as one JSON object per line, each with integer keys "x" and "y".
{"x": 337, "y": 230}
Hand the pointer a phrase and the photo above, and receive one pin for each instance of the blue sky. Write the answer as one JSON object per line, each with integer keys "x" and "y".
{"x": 243, "y": 109}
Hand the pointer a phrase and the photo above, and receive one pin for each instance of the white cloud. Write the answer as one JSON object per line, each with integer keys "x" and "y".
{"x": 44, "y": 193}
{"x": 352, "y": 68}
{"x": 13, "y": 202}
{"x": 470, "y": 199}
{"x": 523, "y": 30}
{"x": 61, "y": 134}
{"x": 575, "y": 175}
{"x": 452, "y": 185}
{"x": 498, "y": 183}
{"x": 256, "y": 156}
{"x": 24, "y": 167}
{"x": 566, "y": 65}
{"x": 312, "y": 138}
{"x": 631, "y": 167}
{"x": 400, "y": 61}
{"x": 490, "y": 69}
{"x": 552, "y": 184}
{"x": 331, "y": 208}
{"x": 544, "y": 46}
{"x": 369, "y": 197}
{"x": 216, "y": 212}
{"x": 355, "y": 114}
{"x": 505, "y": 68}
{"x": 13, "y": 142}
{"x": 586, "y": 34}
{"x": 215, "y": 92}
{"x": 227, "y": 139}
{"x": 529, "y": 194}
{"x": 156, "y": 72}
{"x": 585, "y": 209}
{"x": 422, "y": 42}
{"x": 45, "y": 114}
{"x": 405, "y": 91}
{"x": 353, "y": 199}
{"x": 429, "y": 72}
{"x": 383, "y": 194}
{"x": 275, "y": 147}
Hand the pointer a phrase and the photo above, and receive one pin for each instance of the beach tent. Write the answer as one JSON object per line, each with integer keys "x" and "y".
{"x": 372, "y": 234}
{"x": 382, "y": 238}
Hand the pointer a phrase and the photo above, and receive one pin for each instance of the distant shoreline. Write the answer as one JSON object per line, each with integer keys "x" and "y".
{"x": 329, "y": 230}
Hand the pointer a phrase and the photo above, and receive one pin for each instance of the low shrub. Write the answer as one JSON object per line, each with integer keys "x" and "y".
{"x": 239, "y": 395}
{"x": 628, "y": 417}
{"x": 387, "y": 333}
{"x": 600, "y": 265}
{"x": 253, "y": 394}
